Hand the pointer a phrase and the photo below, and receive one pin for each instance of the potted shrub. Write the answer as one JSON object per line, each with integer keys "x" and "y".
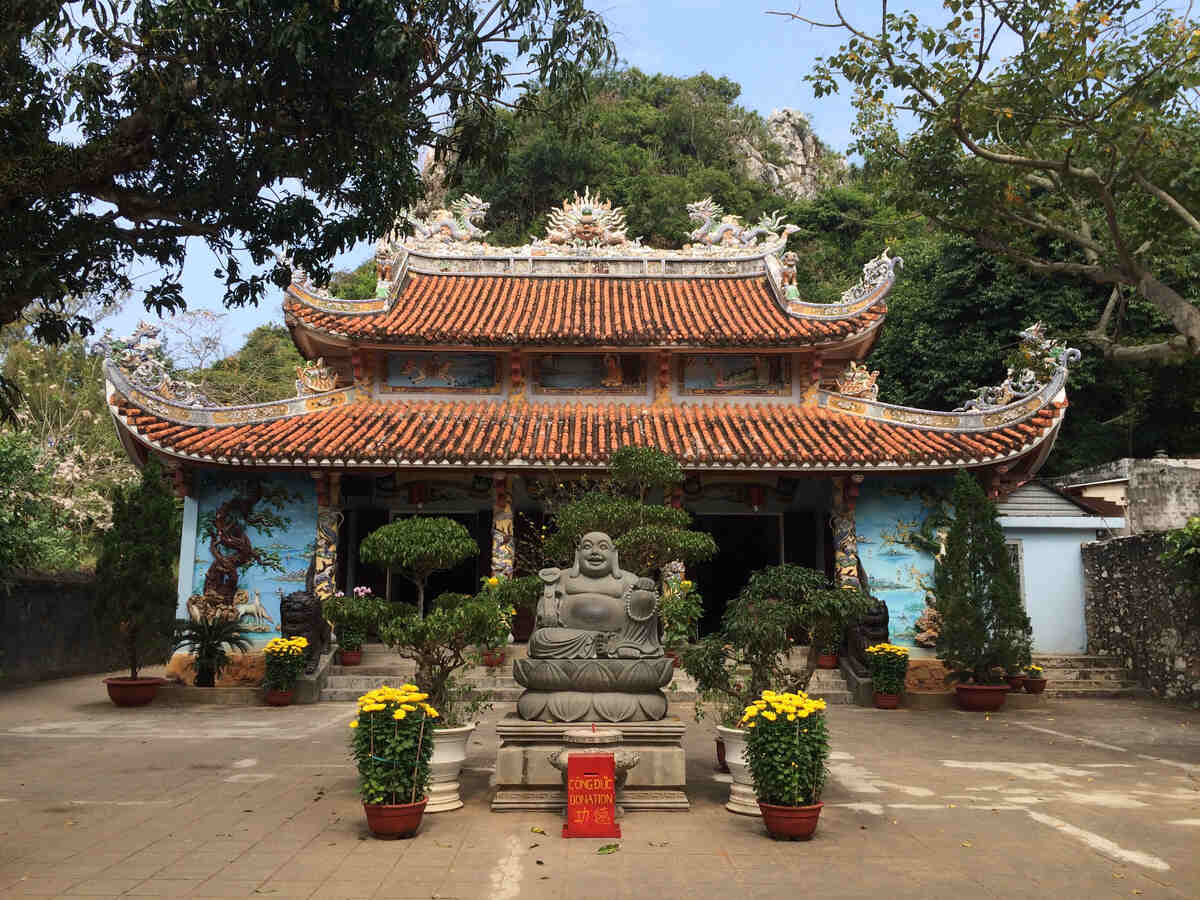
{"x": 1035, "y": 679}
{"x": 750, "y": 653}
{"x": 417, "y": 547}
{"x": 206, "y": 639}
{"x": 1016, "y": 679}
{"x": 392, "y": 744}
{"x": 787, "y": 746}
{"x": 888, "y": 665}
{"x": 135, "y": 582}
{"x": 353, "y": 616}
{"x": 285, "y": 662}
{"x": 440, "y": 644}
{"x": 680, "y": 608}
{"x": 985, "y": 631}
{"x": 826, "y": 639}
{"x": 512, "y": 594}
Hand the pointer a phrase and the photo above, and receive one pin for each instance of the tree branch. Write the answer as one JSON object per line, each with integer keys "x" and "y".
{"x": 1171, "y": 203}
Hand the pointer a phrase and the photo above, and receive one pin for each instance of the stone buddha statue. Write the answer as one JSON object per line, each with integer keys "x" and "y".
{"x": 595, "y": 653}
{"x": 594, "y": 610}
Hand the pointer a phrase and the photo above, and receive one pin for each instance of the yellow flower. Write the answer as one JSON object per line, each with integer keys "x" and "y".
{"x": 354, "y": 724}
{"x": 791, "y": 717}
{"x": 750, "y": 713}
{"x": 493, "y": 581}
{"x": 769, "y": 715}
{"x": 399, "y": 714}
{"x": 751, "y": 724}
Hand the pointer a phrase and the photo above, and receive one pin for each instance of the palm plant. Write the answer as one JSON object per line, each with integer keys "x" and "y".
{"x": 206, "y": 639}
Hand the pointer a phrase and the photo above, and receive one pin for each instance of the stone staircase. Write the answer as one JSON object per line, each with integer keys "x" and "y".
{"x": 1086, "y": 676}
{"x": 380, "y": 666}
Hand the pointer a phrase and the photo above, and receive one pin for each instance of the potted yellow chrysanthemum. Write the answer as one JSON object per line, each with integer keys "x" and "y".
{"x": 888, "y": 665}
{"x": 284, "y": 663}
{"x": 787, "y": 748}
{"x": 392, "y": 744}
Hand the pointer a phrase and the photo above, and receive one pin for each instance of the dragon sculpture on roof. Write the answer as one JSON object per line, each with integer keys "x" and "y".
{"x": 456, "y": 224}
{"x": 1034, "y": 363}
{"x": 716, "y": 228}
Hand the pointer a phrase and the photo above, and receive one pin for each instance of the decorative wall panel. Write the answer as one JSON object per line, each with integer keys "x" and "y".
{"x": 735, "y": 375}
{"x": 432, "y": 371}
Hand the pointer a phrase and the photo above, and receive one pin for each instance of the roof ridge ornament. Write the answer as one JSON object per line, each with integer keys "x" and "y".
{"x": 876, "y": 272}
{"x": 143, "y": 360}
{"x": 587, "y": 221}
{"x": 458, "y": 224}
{"x": 1036, "y": 361}
{"x": 716, "y": 228}
{"x": 858, "y": 381}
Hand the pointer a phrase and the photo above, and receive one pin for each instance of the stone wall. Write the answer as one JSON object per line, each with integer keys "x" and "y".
{"x": 1137, "y": 611}
{"x": 47, "y": 630}
{"x": 1162, "y": 494}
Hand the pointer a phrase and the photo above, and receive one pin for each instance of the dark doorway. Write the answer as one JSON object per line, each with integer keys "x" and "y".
{"x": 744, "y": 544}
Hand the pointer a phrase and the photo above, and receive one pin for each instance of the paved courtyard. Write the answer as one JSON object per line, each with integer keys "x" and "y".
{"x": 1084, "y": 798}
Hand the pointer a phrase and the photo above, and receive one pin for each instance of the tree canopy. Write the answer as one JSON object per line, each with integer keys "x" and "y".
{"x": 1058, "y": 134}
{"x": 128, "y": 127}
{"x": 649, "y": 143}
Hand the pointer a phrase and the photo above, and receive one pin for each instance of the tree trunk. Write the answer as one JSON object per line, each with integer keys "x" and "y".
{"x": 1183, "y": 315}
{"x": 229, "y": 545}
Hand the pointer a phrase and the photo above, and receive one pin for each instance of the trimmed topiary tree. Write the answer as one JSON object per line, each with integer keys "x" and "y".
{"x": 135, "y": 577}
{"x": 417, "y": 547}
{"x": 985, "y": 632}
{"x": 647, "y": 535}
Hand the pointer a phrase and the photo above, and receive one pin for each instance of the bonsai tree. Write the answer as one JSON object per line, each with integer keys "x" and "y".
{"x": 648, "y": 535}
{"x": 135, "y": 578}
{"x": 417, "y": 547}
{"x": 206, "y": 639}
{"x": 750, "y": 653}
{"x": 985, "y": 632}
{"x": 440, "y": 642}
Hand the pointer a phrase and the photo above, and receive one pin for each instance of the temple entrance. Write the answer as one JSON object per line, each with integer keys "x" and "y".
{"x": 744, "y": 543}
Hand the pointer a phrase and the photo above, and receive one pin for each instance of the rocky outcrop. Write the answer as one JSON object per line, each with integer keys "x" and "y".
{"x": 806, "y": 163}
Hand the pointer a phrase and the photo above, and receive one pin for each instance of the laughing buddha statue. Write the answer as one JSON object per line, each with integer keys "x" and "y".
{"x": 595, "y": 654}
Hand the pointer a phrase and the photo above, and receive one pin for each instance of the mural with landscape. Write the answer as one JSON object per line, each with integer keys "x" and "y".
{"x": 420, "y": 370}
{"x": 581, "y": 373}
{"x": 255, "y": 539}
{"x": 899, "y": 526}
{"x": 735, "y": 375}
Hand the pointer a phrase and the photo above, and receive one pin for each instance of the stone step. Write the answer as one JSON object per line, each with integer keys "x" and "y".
{"x": 1077, "y": 662}
{"x": 1068, "y": 675}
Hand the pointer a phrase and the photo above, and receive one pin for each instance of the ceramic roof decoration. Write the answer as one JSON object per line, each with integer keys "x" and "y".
{"x": 787, "y": 387}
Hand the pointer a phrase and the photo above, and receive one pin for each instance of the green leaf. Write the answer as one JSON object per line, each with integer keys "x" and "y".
{"x": 608, "y": 848}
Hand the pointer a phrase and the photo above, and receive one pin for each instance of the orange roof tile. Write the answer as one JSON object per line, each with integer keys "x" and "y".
{"x": 491, "y": 310}
{"x": 475, "y": 432}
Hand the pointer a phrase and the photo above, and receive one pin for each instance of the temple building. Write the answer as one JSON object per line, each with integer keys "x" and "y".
{"x": 480, "y": 378}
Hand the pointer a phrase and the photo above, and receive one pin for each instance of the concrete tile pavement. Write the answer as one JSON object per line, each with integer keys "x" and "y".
{"x": 1082, "y": 798}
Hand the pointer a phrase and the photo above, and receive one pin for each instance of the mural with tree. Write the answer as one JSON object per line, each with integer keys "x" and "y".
{"x": 255, "y": 504}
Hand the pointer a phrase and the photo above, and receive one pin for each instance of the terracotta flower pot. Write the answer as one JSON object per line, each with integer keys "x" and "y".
{"x": 887, "y": 701}
{"x": 1016, "y": 682}
{"x": 126, "y": 691}
{"x": 493, "y": 658}
{"x": 400, "y": 820}
{"x": 1035, "y": 685}
{"x": 827, "y": 661}
{"x": 791, "y": 823}
{"x": 278, "y": 698}
{"x": 981, "y": 697}
{"x": 721, "y": 767}
{"x": 351, "y": 657}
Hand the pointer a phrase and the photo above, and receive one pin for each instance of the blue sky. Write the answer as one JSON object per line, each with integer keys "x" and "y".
{"x": 767, "y": 55}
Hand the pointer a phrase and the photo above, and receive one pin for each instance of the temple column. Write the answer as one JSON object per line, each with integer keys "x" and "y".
{"x": 502, "y": 527}
{"x": 845, "y": 537}
{"x": 329, "y": 521}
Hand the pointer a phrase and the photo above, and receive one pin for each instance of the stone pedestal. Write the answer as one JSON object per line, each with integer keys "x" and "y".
{"x": 525, "y": 779}
{"x": 582, "y": 741}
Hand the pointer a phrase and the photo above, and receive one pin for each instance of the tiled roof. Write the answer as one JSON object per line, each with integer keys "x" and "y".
{"x": 474, "y": 432}
{"x": 491, "y": 310}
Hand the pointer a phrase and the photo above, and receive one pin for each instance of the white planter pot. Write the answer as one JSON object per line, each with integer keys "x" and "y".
{"x": 449, "y": 754}
{"x": 741, "y": 790}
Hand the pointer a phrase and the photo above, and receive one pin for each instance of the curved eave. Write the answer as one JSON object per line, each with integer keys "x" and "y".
{"x": 784, "y": 438}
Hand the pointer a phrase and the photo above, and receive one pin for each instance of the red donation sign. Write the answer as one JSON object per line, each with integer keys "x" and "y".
{"x": 591, "y": 796}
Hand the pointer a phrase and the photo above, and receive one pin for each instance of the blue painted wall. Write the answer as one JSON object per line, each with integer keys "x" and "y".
{"x": 1052, "y": 576}
{"x": 889, "y": 517}
{"x": 294, "y": 542}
